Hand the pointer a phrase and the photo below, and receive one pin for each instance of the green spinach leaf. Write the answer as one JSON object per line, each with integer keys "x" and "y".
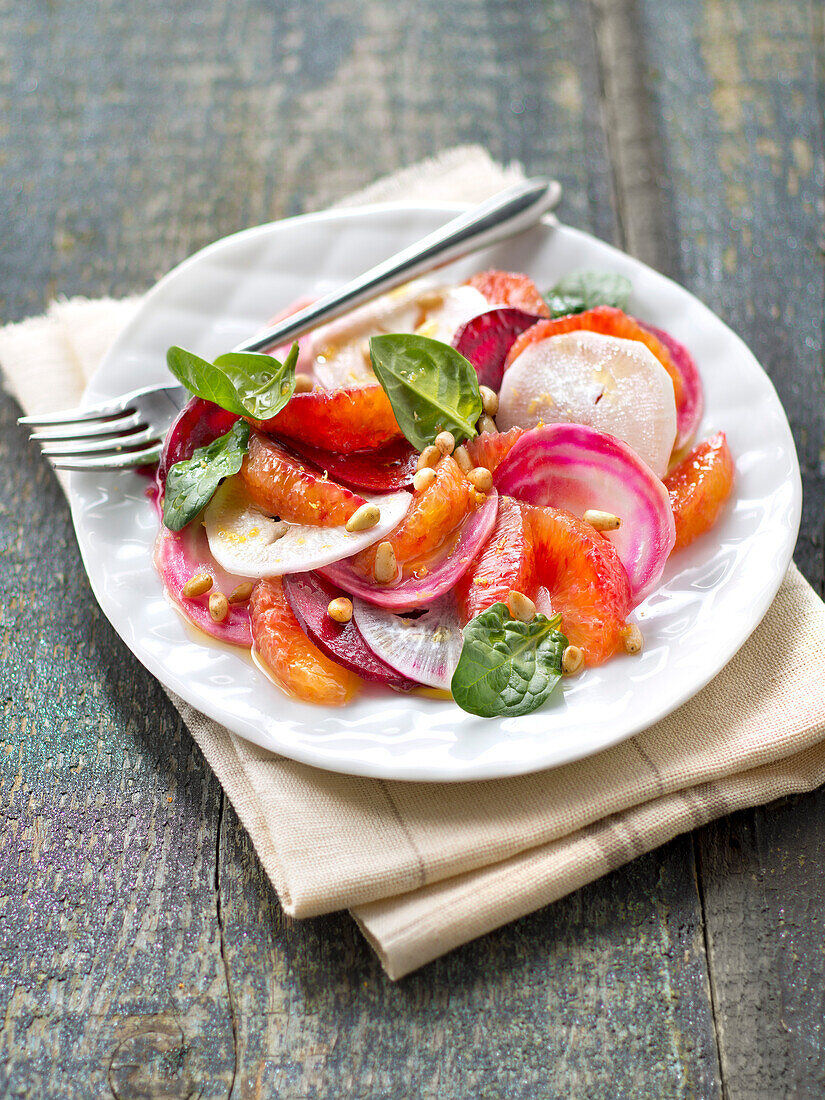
{"x": 507, "y": 667}
{"x": 587, "y": 289}
{"x": 244, "y": 383}
{"x": 191, "y": 483}
{"x": 432, "y": 388}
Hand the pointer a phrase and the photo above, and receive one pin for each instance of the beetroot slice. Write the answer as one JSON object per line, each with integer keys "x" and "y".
{"x": 180, "y": 555}
{"x": 415, "y": 592}
{"x": 309, "y": 597}
{"x": 383, "y": 470}
{"x": 486, "y": 339}
{"x": 198, "y": 423}
{"x": 689, "y": 416}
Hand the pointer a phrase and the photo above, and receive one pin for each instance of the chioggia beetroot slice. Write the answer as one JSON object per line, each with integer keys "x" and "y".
{"x": 424, "y": 647}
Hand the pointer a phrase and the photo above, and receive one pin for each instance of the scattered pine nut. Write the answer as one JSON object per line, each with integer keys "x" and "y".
{"x": 303, "y": 383}
{"x": 486, "y": 425}
{"x": 481, "y": 478}
{"x": 423, "y": 479}
{"x": 445, "y": 441}
{"x": 489, "y": 400}
{"x": 521, "y": 607}
{"x": 462, "y": 457}
{"x": 196, "y": 586}
{"x": 242, "y": 593}
{"x": 431, "y": 299}
{"x": 602, "y": 521}
{"x": 218, "y": 606}
{"x": 428, "y": 457}
{"x": 633, "y": 641}
{"x": 386, "y": 567}
{"x": 366, "y": 517}
{"x": 340, "y": 609}
{"x": 571, "y": 660}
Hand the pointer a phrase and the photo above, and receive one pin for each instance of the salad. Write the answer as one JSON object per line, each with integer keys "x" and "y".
{"x": 465, "y": 489}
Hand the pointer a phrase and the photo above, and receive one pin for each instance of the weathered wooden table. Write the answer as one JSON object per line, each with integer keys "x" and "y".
{"x": 143, "y": 952}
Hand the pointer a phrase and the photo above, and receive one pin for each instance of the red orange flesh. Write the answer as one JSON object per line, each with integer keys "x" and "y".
{"x": 510, "y": 288}
{"x": 699, "y": 487}
{"x": 343, "y": 420}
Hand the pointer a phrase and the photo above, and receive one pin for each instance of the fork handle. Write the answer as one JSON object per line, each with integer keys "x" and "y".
{"x": 509, "y": 212}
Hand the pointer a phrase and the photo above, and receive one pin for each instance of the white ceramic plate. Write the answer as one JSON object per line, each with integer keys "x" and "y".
{"x": 713, "y": 594}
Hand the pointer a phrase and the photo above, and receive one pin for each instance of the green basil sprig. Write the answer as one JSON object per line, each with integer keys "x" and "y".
{"x": 432, "y": 388}
{"x": 190, "y": 484}
{"x": 587, "y": 289}
{"x": 243, "y": 383}
{"x": 507, "y": 667}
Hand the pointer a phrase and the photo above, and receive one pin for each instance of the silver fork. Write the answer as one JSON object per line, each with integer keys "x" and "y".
{"x": 128, "y": 431}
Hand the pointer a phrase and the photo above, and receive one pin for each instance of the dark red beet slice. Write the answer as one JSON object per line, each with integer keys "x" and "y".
{"x": 380, "y": 471}
{"x": 486, "y": 339}
{"x": 197, "y": 424}
{"x": 309, "y": 597}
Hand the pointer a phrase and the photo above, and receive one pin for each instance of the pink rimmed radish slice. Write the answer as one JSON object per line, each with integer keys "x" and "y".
{"x": 577, "y": 468}
{"x": 197, "y": 424}
{"x": 614, "y": 385}
{"x": 380, "y": 471}
{"x": 246, "y": 540}
{"x": 486, "y": 339}
{"x": 181, "y": 555}
{"x": 309, "y": 596}
{"x": 689, "y": 413}
{"x": 424, "y": 647}
{"x": 417, "y": 592}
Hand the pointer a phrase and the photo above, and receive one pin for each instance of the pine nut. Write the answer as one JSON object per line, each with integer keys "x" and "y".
{"x": 571, "y": 660}
{"x": 196, "y": 586}
{"x": 445, "y": 441}
{"x": 242, "y": 593}
{"x": 633, "y": 641}
{"x": 431, "y": 299}
{"x": 486, "y": 425}
{"x": 428, "y": 457}
{"x": 340, "y": 609}
{"x": 218, "y": 606}
{"x": 521, "y": 607}
{"x": 462, "y": 457}
{"x": 423, "y": 479}
{"x": 481, "y": 478}
{"x": 602, "y": 521}
{"x": 303, "y": 383}
{"x": 366, "y": 517}
{"x": 386, "y": 567}
{"x": 489, "y": 400}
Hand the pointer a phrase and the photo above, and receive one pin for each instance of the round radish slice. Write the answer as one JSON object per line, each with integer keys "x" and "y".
{"x": 423, "y": 647}
{"x": 197, "y": 424}
{"x": 689, "y": 413}
{"x": 181, "y": 555}
{"x": 614, "y": 385}
{"x": 382, "y": 470}
{"x": 248, "y": 541}
{"x": 309, "y": 597}
{"x": 574, "y": 467}
{"x": 486, "y": 339}
{"x": 414, "y": 592}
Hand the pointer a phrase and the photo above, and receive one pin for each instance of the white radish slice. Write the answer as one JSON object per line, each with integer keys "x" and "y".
{"x": 574, "y": 467}
{"x": 246, "y": 540}
{"x": 616, "y": 386}
{"x": 425, "y": 648}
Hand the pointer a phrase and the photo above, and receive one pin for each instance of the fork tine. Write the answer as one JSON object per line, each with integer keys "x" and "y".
{"x": 73, "y": 416}
{"x": 116, "y": 444}
{"x": 125, "y": 461}
{"x": 88, "y": 429}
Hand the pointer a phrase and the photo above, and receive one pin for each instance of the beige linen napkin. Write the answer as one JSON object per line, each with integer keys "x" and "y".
{"x": 424, "y": 868}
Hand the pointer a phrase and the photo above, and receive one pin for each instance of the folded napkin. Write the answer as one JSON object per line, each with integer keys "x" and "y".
{"x": 423, "y": 868}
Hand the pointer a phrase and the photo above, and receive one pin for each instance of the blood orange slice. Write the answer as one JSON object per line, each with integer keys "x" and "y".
{"x": 491, "y": 448}
{"x": 510, "y": 288}
{"x": 505, "y": 563}
{"x": 358, "y": 418}
{"x": 699, "y": 487}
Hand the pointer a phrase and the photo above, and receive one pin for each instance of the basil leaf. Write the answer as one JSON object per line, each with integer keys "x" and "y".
{"x": 586, "y": 289}
{"x": 507, "y": 667}
{"x": 191, "y": 483}
{"x": 243, "y": 383}
{"x": 432, "y": 388}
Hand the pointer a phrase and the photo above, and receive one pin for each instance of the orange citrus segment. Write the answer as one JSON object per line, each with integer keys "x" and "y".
{"x": 281, "y": 484}
{"x": 504, "y": 563}
{"x": 359, "y": 418}
{"x": 491, "y": 448}
{"x": 510, "y": 288}
{"x": 608, "y": 321}
{"x": 297, "y": 666}
{"x": 699, "y": 487}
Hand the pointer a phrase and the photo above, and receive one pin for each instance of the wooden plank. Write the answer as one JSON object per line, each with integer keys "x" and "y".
{"x": 743, "y": 176}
